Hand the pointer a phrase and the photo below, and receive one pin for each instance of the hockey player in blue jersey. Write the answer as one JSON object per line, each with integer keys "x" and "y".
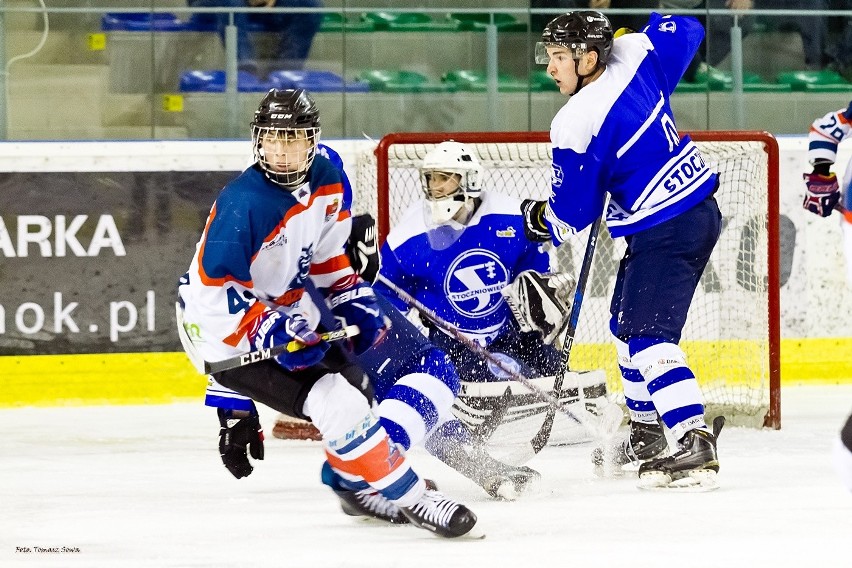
{"x": 415, "y": 384}
{"x": 461, "y": 252}
{"x": 616, "y": 135}
{"x": 455, "y": 251}
{"x": 274, "y": 232}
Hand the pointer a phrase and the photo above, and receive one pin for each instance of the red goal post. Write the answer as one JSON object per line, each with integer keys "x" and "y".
{"x": 732, "y": 335}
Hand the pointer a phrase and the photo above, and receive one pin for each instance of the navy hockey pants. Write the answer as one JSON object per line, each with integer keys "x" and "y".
{"x": 659, "y": 272}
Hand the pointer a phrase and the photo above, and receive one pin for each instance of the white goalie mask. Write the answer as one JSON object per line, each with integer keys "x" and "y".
{"x": 452, "y": 179}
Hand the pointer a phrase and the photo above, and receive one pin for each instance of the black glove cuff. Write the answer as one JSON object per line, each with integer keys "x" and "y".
{"x": 822, "y": 168}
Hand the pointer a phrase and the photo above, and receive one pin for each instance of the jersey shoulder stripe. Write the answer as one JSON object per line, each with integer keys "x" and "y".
{"x": 577, "y": 124}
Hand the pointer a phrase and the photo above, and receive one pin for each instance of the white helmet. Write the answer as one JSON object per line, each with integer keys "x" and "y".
{"x": 451, "y": 158}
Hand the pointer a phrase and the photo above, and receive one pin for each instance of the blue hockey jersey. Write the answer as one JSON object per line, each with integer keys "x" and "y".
{"x": 461, "y": 282}
{"x": 617, "y": 136}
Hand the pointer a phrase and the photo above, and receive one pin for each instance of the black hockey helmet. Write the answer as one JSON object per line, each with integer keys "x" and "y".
{"x": 287, "y": 108}
{"x": 578, "y": 32}
{"x": 286, "y": 124}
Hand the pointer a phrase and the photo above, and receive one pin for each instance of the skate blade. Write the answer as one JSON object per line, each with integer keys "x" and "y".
{"x": 697, "y": 481}
{"x": 476, "y": 533}
{"x": 364, "y": 519}
{"x": 614, "y": 471}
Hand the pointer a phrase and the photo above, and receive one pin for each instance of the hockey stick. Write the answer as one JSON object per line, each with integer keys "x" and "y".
{"x": 207, "y": 368}
{"x": 568, "y": 333}
{"x": 584, "y": 417}
{"x": 263, "y": 354}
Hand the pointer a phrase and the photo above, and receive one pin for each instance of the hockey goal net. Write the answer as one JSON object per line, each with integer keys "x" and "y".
{"x": 732, "y": 333}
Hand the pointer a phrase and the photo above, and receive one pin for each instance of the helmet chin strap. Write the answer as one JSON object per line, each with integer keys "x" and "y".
{"x": 580, "y": 78}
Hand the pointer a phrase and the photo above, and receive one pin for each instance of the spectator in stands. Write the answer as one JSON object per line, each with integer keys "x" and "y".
{"x": 717, "y": 39}
{"x": 839, "y": 46}
{"x": 296, "y": 30}
{"x": 813, "y": 29}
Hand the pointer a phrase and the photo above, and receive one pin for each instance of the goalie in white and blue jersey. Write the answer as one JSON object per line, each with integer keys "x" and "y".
{"x": 616, "y": 137}
{"x": 455, "y": 251}
{"x": 461, "y": 252}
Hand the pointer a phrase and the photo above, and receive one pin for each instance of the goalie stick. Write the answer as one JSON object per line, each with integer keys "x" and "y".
{"x": 581, "y": 416}
{"x": 207, "y": 367}
{"x": 540, "y": 439}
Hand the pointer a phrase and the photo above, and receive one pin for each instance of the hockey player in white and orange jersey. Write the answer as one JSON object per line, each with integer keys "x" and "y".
{"x": 279, "y": 227}
{"x": 823, "y": 192}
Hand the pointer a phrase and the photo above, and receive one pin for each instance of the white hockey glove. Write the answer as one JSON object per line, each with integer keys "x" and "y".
{"x": 540, "y": 302}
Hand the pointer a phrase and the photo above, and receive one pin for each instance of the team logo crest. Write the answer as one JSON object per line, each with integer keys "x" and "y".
{"x": 556, "y": 176}
{"x": 331, "y": 209}
{"x": 473, "y": 283}
{"x": 668, "y": 26}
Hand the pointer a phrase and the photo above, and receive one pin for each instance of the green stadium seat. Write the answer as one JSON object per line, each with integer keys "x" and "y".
{"x": 408, "y": 22}
{"x": 335, "y": 22}
{"x": 477, "y": 81}
{"x": 684, "y": 87}
{"x": 830, "y": 88}
{"x": 719, "y": 80}
{"x": 766, "y": 88}
{"x": 812, "y": 80}
{"x": 478, "y": 22}
{"x": 541, "y": 81}
{"x": 401, "y": 81}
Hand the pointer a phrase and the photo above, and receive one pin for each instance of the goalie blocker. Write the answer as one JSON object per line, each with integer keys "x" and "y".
{"x": 526, "y": 411}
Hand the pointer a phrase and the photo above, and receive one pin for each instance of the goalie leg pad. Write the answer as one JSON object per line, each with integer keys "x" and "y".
{"x": 539, "y": 302}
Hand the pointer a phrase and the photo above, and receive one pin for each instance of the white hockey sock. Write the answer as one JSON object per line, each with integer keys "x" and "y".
{"x": 636, "y": 393}
{"x": 672, "y": 386}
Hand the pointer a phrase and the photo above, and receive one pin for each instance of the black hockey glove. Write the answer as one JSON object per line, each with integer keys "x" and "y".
{"x": 534, "y": 227}
{"x": 362, "y": 247}
{"x": 235, "y": 436}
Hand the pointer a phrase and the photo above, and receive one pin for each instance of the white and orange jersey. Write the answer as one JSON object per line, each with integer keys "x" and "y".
{"x": 826, "y": 133}
{"x": 260, "y": 245}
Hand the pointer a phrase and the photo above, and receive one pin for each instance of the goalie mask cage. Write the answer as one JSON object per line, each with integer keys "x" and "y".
{"x": 732, "y": 334}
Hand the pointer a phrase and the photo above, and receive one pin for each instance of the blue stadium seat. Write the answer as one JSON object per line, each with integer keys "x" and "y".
{"x": 315, "y": 81}
{"x": 148, "y": 22}
{"x": 214, "y": 82}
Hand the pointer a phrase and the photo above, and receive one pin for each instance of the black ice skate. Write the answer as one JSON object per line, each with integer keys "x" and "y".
{"x": 370, "y": 503}
{"x": 646, "y": 442}
{"x": 693, "y": 467}
{"x": 441, "y": 515}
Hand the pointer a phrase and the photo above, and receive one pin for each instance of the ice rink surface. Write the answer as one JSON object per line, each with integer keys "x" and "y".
{"x": 144, "y": 486}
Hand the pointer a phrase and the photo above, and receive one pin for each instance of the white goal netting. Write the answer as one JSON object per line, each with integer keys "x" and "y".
{"x": 729, "y": 338}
